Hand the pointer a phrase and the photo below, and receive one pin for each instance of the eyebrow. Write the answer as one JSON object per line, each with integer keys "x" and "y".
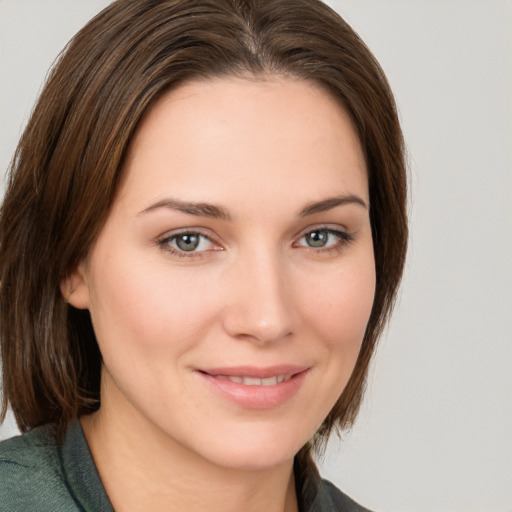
{"x": 330, "y": 203}
{"x": 199, "y": 209}
{"x": 218, "y": 212}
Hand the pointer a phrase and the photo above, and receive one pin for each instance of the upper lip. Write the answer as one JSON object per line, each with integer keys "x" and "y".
{"x": 255, "y": 371}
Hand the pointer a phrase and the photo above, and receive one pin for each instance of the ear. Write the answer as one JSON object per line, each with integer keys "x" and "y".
{"x": 75, "y": 289}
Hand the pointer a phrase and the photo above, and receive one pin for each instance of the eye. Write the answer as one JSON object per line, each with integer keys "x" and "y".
{"x": 324, "y": 238}
{"x": 187, "y": 242}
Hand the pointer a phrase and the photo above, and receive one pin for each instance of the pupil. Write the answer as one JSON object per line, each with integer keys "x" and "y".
{"x": 187, "y": 242}
{"x": 317, "y": 238}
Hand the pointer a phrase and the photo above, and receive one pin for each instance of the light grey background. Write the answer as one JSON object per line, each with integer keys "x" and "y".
{"x": 435, "y": 432}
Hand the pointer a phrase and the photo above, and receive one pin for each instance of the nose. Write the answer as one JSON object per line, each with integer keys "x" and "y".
{"x": 259, "y": 299}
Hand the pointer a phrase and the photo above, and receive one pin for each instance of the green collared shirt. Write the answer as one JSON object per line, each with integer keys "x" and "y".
{"x": 37, "y": 475}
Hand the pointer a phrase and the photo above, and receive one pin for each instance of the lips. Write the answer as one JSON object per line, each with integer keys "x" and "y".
{"x": 255, "y": 388}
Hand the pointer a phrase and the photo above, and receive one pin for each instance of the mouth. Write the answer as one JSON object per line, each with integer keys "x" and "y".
{"x": 255, "y": 381}
{"x": 256, "y": 388}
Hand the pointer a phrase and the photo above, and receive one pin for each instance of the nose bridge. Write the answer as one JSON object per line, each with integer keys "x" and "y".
{"x": 260, "y": 303}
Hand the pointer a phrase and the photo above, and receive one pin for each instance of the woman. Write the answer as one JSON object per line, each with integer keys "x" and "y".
{"x": 202, "y": 238}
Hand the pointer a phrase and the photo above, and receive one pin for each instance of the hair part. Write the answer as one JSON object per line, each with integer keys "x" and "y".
{"x": 66, "y": 169}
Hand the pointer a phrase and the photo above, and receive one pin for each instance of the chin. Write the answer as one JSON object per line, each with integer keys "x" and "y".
{"x": 259, "y": 460}
{"x": 258, "y": 451}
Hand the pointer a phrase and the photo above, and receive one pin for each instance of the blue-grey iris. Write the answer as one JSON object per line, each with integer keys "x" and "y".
{"x": 317, "y": 238}
{"x": 187, "y": 242}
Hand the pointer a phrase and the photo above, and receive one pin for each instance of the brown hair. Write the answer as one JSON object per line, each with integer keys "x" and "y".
{"x": 66, "y": 168}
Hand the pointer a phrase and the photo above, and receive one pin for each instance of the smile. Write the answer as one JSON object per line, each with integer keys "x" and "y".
{"x": 255, "y": 381}
{"x": 255, "y": 388}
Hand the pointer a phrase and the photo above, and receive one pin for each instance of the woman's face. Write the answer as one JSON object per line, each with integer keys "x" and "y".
{"x": 233, "y": 280}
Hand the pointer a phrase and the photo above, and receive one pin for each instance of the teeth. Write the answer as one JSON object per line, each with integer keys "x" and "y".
{"x": 251, "y": 381}
{"x": 255, "y": 381}
{"x": 270, "y": 381}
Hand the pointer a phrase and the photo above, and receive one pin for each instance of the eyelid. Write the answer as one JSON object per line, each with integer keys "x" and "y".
{"x": 333, "y": 228}
{"x": 345, "y": 237}
{"x": 204, "y": 232}
{"x": 163, "y": 241}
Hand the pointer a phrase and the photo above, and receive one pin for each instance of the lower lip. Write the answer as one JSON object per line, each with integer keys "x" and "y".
{"x": 256, "y": 397}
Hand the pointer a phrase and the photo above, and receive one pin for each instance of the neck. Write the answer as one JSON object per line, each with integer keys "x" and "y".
{"x": 170, "y": 477}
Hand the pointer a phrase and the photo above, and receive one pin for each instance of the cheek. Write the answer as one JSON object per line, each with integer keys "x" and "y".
{"x": 341, "y": 304}
{"x": 148, "y": 310}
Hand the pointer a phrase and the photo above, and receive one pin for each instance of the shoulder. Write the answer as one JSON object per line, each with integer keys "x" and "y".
{"x": 31, "y": 473}
{"x": 329, "y": 497}
{"x": 29, "y": 454}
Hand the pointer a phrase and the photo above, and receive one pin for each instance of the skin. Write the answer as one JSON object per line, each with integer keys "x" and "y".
{"x": 253, "y": 293}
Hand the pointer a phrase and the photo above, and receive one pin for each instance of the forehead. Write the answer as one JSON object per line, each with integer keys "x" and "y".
{"x": 225, "y": 135}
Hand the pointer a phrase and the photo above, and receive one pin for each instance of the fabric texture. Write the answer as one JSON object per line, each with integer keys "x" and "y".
{"x": 37, "y": 475}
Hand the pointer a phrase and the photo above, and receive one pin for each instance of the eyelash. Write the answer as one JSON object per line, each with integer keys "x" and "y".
{"x": 165, "y": 242}
{"x": 344, "y": 238}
